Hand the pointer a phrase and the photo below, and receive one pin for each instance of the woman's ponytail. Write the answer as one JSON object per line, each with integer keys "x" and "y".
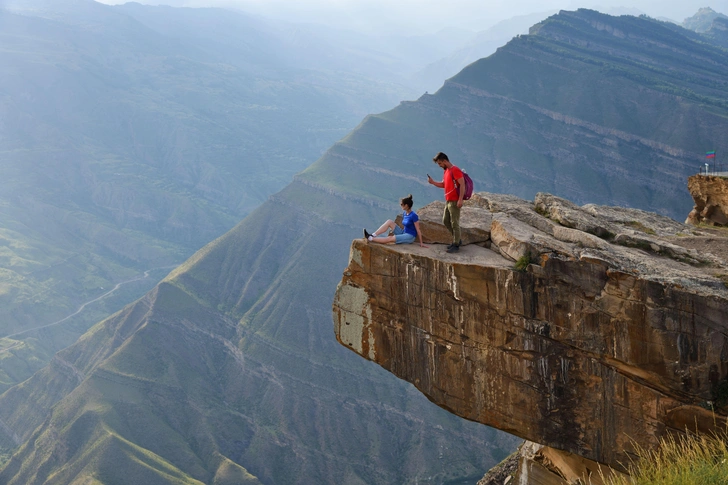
{"x": 407, "y": 201}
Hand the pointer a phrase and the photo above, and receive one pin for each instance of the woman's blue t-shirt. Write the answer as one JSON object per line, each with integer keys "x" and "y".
{"x": 408, "y": 221}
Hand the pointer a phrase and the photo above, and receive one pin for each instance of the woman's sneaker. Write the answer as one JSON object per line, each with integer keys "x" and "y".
{"x": 366, "y": 234}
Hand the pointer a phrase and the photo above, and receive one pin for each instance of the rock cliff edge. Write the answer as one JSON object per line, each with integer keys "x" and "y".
{"x": 587, "y": 329}
{"x": 710, "y": 194}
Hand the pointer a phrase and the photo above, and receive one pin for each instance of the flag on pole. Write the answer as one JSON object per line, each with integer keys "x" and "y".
{"x": 710, "y": 154}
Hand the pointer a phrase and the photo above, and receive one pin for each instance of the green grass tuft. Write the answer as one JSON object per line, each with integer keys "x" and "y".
{"x": 686, "y": 460}
{"x": 523, "y": 263}
{"x": 641, "y": 227}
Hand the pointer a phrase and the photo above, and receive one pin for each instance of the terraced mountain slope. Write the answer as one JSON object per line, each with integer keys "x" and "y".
{"x": 131, "y": 136}
{"x": 483, "y": 44}
{"x": 229, "y": 367}
{"x": 610, "y": 110}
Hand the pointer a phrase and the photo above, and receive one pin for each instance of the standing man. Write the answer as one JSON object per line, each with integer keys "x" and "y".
{"x": 451, "y": 180}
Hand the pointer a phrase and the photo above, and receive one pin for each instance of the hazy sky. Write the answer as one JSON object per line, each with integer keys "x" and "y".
{"x": 428, "y": 15}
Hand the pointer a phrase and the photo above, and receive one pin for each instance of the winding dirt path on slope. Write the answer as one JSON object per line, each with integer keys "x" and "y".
{"x": 80, "y": 309}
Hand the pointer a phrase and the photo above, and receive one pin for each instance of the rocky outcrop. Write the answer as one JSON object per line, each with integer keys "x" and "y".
{"x": 474, "y": 224}
{"x": 586, "y": 329}
{"x": 710, "y": 194}
{"x": 537, "y": 464}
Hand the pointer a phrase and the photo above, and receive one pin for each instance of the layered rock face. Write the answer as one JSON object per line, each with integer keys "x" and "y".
{"x": 587, "y": 329}
{"x": 710, "y": 194}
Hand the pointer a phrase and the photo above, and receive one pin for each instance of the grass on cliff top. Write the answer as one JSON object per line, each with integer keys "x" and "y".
{"x": 687, "y": 460}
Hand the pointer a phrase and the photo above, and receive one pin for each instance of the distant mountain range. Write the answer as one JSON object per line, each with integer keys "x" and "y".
{"x": 702, "y": 21}
{"x": 228, "y": 372}
{"x": 133, "y": 135}
{"x": 610, "y": 110}
{"x": 711, "y": 24}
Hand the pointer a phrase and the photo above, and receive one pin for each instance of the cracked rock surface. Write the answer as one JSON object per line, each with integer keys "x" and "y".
{"x": 587, "y": 329}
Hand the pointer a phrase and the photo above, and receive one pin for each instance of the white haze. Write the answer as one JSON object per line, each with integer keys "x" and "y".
{"x": 428, "y": 16}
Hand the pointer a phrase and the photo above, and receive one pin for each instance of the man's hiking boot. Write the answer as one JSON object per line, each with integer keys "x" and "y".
{"x": 454, "y": 248}
{"x": 366, "y": 235}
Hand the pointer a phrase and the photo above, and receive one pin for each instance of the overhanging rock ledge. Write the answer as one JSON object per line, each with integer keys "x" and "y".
{"x": 588, "y": 329}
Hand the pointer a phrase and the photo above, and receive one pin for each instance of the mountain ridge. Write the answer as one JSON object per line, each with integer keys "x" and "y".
{"x": 702, "y": 21}
{"x": 127, "y": 148}
{"x": 550, "y": 133}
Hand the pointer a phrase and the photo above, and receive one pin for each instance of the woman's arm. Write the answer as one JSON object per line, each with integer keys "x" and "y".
{"x": 419, "y": 234}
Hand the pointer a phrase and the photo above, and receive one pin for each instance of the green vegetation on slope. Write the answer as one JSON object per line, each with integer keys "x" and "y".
{"x": 138, "y": 135}
{"x": 718, "y": 32}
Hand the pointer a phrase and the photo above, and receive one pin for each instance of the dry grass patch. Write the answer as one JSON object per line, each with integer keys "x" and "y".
{"x": 686, "y": 460}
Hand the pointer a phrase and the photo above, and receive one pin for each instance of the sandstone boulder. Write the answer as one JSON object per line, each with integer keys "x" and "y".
{"x": 710, "y": 194}
{"x": 542, "y": 465}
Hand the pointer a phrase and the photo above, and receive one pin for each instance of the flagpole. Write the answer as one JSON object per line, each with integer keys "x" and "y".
{"x": 710, "y": 154}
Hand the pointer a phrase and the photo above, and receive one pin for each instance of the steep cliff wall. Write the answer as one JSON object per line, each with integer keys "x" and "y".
{"x": 710, "y": 194}
{"x": 587, "y": 329}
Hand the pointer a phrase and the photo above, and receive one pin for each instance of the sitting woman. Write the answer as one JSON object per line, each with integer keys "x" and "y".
{"x": 411, "y": 224}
